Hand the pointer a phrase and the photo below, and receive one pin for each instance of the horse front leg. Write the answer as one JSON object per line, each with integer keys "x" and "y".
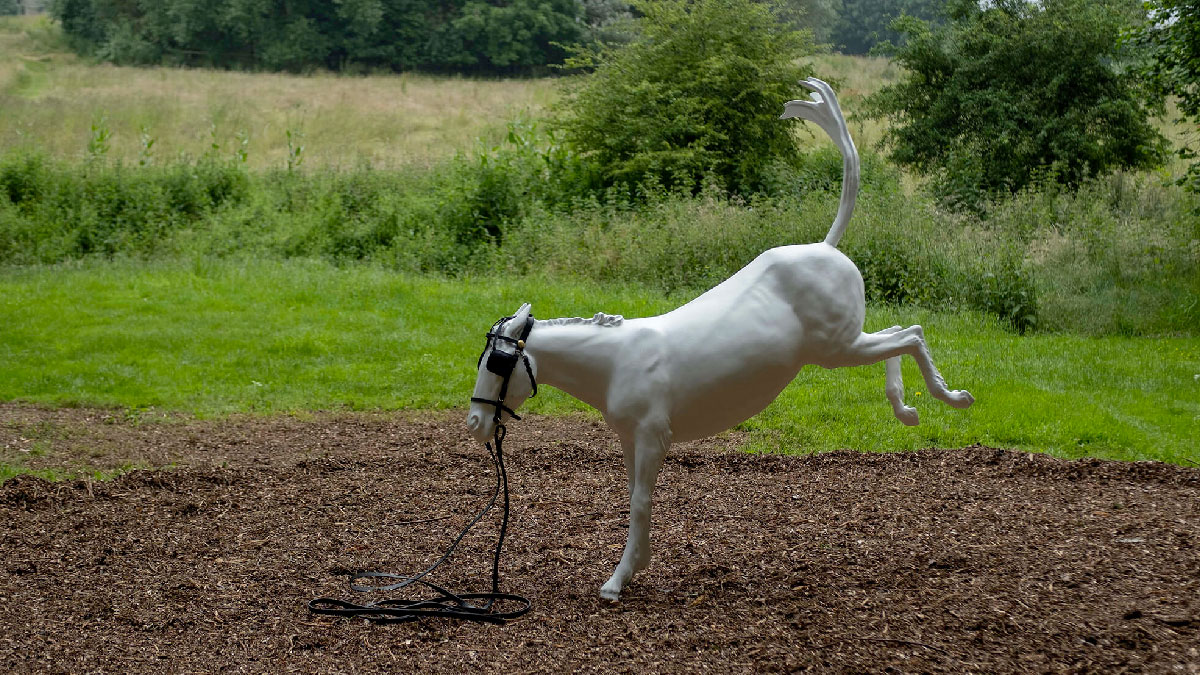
{"x": 650, "y": 445}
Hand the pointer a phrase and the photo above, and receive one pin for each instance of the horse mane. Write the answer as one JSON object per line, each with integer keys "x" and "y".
{"x": 601, "y": 319}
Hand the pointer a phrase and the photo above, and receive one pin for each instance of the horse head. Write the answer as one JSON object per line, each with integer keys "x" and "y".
{"x": 505, "y": 375}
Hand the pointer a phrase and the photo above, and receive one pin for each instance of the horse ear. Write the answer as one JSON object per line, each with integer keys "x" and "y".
{"x": 518, "y": 322}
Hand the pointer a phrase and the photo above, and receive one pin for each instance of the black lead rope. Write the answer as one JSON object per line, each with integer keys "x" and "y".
{"x": 465, "y": 606}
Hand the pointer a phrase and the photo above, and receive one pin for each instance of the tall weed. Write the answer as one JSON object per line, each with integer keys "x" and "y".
{"x": 1119, "y": 255}
{"x": 53, "y": 211}
{"x": 498, "y": 185}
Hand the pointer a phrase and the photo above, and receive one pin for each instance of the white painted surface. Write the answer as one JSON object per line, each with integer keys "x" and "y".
{"x": 722, "y": 357}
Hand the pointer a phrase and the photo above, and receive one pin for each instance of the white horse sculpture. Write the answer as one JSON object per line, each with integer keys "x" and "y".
{"x": 713, "y": 362}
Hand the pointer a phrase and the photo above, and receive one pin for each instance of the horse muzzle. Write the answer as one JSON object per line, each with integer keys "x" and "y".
{"x": 480, "y": 426}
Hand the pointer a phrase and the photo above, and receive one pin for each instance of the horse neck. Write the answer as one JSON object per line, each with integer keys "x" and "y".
{"x": 577, "y": 358}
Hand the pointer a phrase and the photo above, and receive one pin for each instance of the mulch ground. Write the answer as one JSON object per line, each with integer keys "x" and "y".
{"x": 945, "y": 560}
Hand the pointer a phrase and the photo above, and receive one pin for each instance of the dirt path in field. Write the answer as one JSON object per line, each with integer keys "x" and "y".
{"x": 973, "y": 559}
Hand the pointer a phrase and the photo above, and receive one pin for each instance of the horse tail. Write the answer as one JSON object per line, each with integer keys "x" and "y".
{"x": 822, "y": 107}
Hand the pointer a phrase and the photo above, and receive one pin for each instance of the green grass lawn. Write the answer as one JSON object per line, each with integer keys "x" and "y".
{"x": 211, "y": 338}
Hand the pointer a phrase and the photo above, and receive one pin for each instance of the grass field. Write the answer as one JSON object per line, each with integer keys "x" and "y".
{"x": 209, "y": 338}
{"x": 56, "y": 102}
{"x": 219, "y": 328}
{"x": 51, "y": 100}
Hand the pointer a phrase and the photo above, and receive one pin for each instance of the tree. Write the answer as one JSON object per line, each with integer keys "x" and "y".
{"x": 697, "y": 93}
{"x": 521, "y": 33}
{"x": 1171, "y": 35}
{"x": 481, "y": 35}
{"x": 607, "y": 21}
{"x": 9, "y": 7}
{"x": 1014, "y": 90}
{"x": 815, "y": 16}
{"x": 862, "y": 24}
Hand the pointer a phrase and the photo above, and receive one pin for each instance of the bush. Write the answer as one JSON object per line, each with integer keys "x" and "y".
{"x": 1015, "y": 91}
{"x": 1120, "y": 254}
{"x": 1171, "y": 38}
{"x": 695, "y": 96}
{"x": 24, "y": 178}
{"x": 530, "y": 169}
{"x": 1007, "y": 293}
{"x": 57, "y": 212}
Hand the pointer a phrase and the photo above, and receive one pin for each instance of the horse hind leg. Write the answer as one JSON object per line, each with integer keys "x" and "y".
{"x": 895, "y": 386}
{"x": 890, "y": 344}
{"x": 895, "y": 393}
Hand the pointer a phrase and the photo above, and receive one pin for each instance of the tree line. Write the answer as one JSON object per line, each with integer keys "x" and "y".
{"x": 996, "y": 96}
{"x": 502, "y": 37}
{"x": 472, "y": 36}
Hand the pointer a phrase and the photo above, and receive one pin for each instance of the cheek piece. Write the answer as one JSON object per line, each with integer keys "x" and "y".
{"x": 504, "y": 364}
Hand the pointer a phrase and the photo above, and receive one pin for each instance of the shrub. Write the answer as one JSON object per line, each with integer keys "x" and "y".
{"x": 1013, "y": 90}
{"x": 698, "y": 93}
{"x": 1171, "y": 37}
{"x": 1119, "y": 254}
{"x": 1006, "y": 292}
{"x": 58, "y": 212}
{"x": 23, "y": 178}
{"x": 529, "y": 169}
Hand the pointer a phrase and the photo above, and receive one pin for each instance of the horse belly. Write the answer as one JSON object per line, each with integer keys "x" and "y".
{"x": 718, "y": 411}
{"x": 716, "y": 392}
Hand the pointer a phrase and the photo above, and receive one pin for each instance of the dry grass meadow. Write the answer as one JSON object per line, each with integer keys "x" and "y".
{"x": 53, "y": 101}
{"x": 50, "y": 99}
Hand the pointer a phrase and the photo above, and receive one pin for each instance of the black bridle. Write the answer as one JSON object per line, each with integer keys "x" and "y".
{"x": 504, "y": 364}
{"x": 465, "y": 606}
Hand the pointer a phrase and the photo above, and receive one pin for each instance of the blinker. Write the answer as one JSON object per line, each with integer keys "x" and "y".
{"x": 501, "y": 363}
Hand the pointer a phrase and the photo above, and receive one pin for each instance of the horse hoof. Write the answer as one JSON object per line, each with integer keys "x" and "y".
{"x": 961, "y": 398}
{"x": 611, "y": 590}
{"x": 908, "y": 415}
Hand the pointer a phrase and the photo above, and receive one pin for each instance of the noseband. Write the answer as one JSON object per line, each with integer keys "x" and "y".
{"x": 504, "y": 364}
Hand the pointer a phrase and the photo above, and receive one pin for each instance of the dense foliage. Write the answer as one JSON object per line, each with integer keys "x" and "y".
{"x": 695, "y": 96}
{"x": 862, "y": 24}
{"x": 1016, "y": 92}
{"x": 1172, "y": 38}
{"x": 8, "y": 7}
{"x": 478, "y": 35}
{"x": 1111, "y": 257}
{"x": 815, "y": 16}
